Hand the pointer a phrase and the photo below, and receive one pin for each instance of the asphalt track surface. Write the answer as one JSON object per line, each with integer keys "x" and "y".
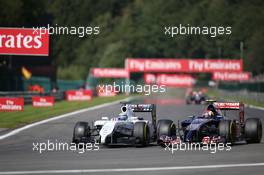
{"x": 17, "y": 155}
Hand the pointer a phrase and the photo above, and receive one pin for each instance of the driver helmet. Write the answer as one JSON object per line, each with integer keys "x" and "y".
{"x": 212, "y": 108}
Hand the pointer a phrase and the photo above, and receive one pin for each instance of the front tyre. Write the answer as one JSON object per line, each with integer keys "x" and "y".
{"x": 80, "y": 132}
{"x": 165, "y": 128}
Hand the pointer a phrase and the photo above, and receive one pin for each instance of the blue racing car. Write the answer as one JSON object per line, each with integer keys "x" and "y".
{"x": 214, "y": 126}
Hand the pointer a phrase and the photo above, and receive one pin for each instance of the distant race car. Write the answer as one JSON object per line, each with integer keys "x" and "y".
{"x": 125, "y": 129}
{"x": 213, "y": 126}
{"x": 196, "y": 97}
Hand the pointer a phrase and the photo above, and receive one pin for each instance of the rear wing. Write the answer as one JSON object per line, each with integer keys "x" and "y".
{"x": 142, "y": 108}
{"x": 232, "y": 106}
{"x": 228, "y": 105}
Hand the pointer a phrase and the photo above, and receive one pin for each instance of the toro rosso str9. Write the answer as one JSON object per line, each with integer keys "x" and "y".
{"x": 214, "y": 126}
{"x": 125, "y": 129}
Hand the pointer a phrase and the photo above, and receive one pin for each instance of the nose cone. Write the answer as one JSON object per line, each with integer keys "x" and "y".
{"x": 106, "y": 130}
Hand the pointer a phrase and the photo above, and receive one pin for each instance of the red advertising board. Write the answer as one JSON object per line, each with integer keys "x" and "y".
{"x": 42, "y": 101}
{"x": 170, "y": 80}
{"x": 150, "y": 78}
{"x": 79, "y": 95}
{"x": 231, "y": 76}
{"x": 110, "y": 73}
{"x": 183, "y": 65}
{"x": 24, "y": 41}
{"x": 11, "y": 104}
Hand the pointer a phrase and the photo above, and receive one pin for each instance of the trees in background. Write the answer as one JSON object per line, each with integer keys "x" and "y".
{"x": 135, "y": 28}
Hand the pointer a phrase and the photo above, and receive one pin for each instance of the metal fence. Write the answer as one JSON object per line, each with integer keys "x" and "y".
{"x": 243, "y": 86}
{"x": 242, "y": 94}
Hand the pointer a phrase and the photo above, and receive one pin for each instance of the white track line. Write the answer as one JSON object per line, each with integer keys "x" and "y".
{"x": 111, "y": 170}
{"x": 255, "y": 107}
{"x": 16, "y": 131}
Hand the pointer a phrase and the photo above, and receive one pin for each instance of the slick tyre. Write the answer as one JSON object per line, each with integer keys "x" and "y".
{"x": 80, "y": 131}
{"x": 166, "y": 127}
{"x": 141, "y": 134}
{"x": 253, "y": 130}
{"x": 227, "y": 129}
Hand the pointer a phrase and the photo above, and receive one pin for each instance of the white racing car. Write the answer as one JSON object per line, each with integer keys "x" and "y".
{"x": 126, "y": 128}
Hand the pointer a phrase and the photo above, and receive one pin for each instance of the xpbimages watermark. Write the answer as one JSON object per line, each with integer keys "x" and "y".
{"x": 195, "y": 146}
{"x": 80, "y": 31}
{"x": 54, "y": 146}
{"x": 129, "y": 88}
{"x": 212, "y": 31}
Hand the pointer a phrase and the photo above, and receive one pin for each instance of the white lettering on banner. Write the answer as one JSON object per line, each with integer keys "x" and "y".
{"x": 110, "y": 72}
{"x": 42, "y": 103}
{"x": 150, "y": 65}
{"x": 231, "y": 105}
{"x": 10, "y": 107}
{"x": 84, "y": 97}
{"x": 210, "y": 65}
{"x": 197, "y": 66}
{"x": 14, "y": 41}
{"x": 231, "y": 76}
{"x": 165, "y": 79}
{"x": 221, "y": 65}
{"x": 184, "y": 65}
{"x": 134, "y": 64}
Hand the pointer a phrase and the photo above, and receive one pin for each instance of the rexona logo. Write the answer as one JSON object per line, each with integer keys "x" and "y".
{"x": 24, "y": 41}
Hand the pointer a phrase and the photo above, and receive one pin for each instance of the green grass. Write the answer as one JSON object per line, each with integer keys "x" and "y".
{"x": 213, "y": 93}
{"x": 31, "y": 114}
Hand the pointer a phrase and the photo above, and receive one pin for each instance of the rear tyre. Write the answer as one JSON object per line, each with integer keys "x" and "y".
{"x": 253, "y": 130}
{"x": 141, "y": 134}
{"x": 227, "y": 129}
{"x": 81, "y": 130}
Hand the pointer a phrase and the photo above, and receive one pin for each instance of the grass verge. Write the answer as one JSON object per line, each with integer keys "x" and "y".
{"x": 215, "y": 94}
{"x": 32, "y": 114}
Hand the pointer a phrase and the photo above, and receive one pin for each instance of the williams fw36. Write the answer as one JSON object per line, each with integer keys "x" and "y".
{"x": 125, "y": 129}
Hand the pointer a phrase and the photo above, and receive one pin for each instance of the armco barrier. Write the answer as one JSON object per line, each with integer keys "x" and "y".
{"x": 46, "y": 83}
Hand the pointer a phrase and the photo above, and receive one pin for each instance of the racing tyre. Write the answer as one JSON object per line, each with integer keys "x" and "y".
{"x": 253, "y": 130}
{"x": 227, "y": 129}
{"x": 141, "y": 134}
{"x": 166, "y": 127}
{"x": 81, "y": 131}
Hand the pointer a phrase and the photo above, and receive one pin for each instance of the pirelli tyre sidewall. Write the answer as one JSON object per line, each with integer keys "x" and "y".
{"x": 253, "y": 130}
{"x": 165, "y": 127}
{"x": 81, "y": 130}
{"x": 141, "y": 134}
{"x": 227, "y": 129}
